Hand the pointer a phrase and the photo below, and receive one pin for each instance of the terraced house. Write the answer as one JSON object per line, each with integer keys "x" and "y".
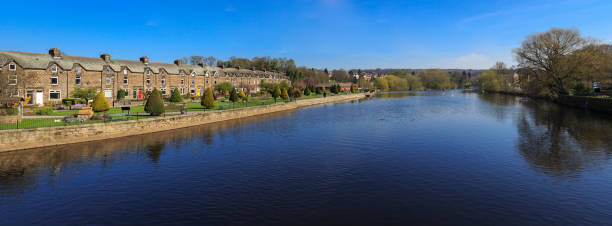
{"x": 54, "y": 76}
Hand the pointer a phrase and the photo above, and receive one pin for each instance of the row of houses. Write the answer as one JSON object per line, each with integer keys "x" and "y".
{"x": 54, "y": 76}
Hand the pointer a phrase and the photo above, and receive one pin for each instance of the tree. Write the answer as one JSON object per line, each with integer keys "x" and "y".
{"x": 233, "y": 96}
{"x": 224, "y": 87}
{"x": 176, "y": 96}
{"x": 86, "y": 94}
{"x": 296, "y": 93}
{"x": 381, "y": 83}
{"x": 555, "y": 58}
{"x": 100, "y": 103}
{"x": 306, "y": 91}
{"x": 435, "y": 79}
{"x": 155, "y": 103}
{"x": 121, "y": 94}
{"x": 352, "y": 89}
{"x": 208, "y": 100}
{"x": 243, "y": 96}
{"x": 277, "y": 93}
{"x": 489, "y": 81}
{"x": 285, "y": 95}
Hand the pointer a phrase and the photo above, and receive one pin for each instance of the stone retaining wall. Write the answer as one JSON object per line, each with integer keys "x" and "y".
{"x": 40, "y": 137}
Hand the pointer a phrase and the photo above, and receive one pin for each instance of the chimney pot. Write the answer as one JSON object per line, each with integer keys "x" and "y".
{"x": 144, "y": 59}
{"x": 55, "y": 52}
{"x": 202, "y": 64}
{"x": 105, "y": 57}
{"x": 178, "y": 62}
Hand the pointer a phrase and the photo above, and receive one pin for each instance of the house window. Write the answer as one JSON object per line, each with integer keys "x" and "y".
{"x": 77, "y": 80}
{"x": 54, "y": 69}
{"x": 215, "y": 82}
{"x": 125, "y": 71}
{"x": 193, "y": 80}
{"x": 54, "y": 95}
{"x": 163, "y": 79}
{"x": 12, "y": 79}
{"x": 192, "y": 91}
{"x": 127, "y": 92}
{"x": 148, "y": 81}
{"x": 54, "y": 80}
{"x": 183, "y": 91}
{"x": 78, "y": 70}
{"x": 148, "y": 72}
{"x": 108, "y": 80}
{"x": 12, "y": 67}
{"x": 182, "y": 81}
{"x": 125, "y": 80}
{"x": 108, "y": 93}
{"x": 163, "y": 91}
{"x": 30, "y": 94}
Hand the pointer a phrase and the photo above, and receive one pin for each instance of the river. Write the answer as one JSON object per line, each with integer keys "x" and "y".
{"x": 397, "y": 158}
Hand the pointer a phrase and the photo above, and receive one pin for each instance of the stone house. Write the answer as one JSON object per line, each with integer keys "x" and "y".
{"x": 54, "y": 76}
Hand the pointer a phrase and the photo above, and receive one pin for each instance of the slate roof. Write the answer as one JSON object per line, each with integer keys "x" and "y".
{"x": 44, "y": 61}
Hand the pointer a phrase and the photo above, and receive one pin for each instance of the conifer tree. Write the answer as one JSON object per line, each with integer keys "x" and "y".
{"x": 277, "y": 93}
{"x": 176, "y": 96}
{"x": 100, "y": 103}
{"x": 208, "y": 100}
{"x": 285, "y": 95}
{"x": 155, "y": 103}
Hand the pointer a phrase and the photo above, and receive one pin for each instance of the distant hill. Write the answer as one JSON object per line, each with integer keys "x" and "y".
{"x": 379, "y": 71}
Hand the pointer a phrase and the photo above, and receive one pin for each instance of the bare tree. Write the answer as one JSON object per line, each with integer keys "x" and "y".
{"x": 555, "y": 57}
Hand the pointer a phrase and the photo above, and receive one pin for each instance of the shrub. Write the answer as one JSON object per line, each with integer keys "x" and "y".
{"x": 176, "y": 96}
{"x": 296, "y": 93}
{"x": 121, "y": 94}
{"x": 582, "y": 90}
{"x": 285, "y": 95}
{"x": 208, "y": 100}
{"x": 100, "y": 103}
{"x": 352, "y": 88}
{"x": 277, "y": 93}
{"x": 307, "y": 92}
{"x": 233, "y": 95}
{"x": 44, "y": 111}
{"x": 13, "y": 111}
{"x": 155, "y": 103}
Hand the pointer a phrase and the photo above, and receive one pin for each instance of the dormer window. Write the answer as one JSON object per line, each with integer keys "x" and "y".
{"x": 192, "y": 74}
{"x": 54, "y": 69}
{"x": 108, "y": 71}
{"x": 192, "y": 80}
{"x": 163, "y": 79}
{"x": 78, "y": 69}
{"x": 207, "y": 74}
{"x": 148, "y": 72}
{"x": 148, "y": 81}
{"x": 12, "y": 67}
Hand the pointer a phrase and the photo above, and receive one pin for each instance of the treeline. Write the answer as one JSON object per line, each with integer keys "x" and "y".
{"x": 424, "y": 79}
{"x": 553, "y": 63}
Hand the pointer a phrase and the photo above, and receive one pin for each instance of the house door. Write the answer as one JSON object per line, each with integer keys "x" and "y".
{"x": 39, "y": 97}
{"x": 139, "y": 94}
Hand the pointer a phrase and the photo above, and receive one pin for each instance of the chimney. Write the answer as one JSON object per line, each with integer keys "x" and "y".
{"x": 55, "y": 52}
{"x": 221, "y": 66}
{"x": 178, "y": 62}
{"x": 144, "y": 59}
{"x": 238, "y": 67}
{"x": 202, "y": 64}
{"x": 105, "y": 57}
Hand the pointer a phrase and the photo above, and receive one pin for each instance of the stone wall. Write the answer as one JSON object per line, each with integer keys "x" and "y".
{"x": 50, "y": 136}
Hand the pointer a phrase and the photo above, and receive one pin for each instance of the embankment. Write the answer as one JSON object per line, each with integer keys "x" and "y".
{"x": 11, "y": 140}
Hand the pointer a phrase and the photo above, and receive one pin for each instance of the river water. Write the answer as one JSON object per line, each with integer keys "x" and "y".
{"x": 398, "y": 158}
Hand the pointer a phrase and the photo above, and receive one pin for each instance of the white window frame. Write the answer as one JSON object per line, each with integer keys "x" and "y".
{"x": 182, "y": 91}
{"x": 54, "y": 76}
{"x": 125, "y": 71}
{"x": 148, "y": 81}
{"x": 59, "y": 94}
{"x": 109, "y": 80}
{"x": 54, "y": 68}
{"x": 12, "y": 67}
{"x": 77, "y": 80}
{"x": 14, "y": 78}
{"x": 163, "y": 91}
{"x": 125, "y": 80}
{"x": 108, "y": 93}
{"x": 192, "y": 91}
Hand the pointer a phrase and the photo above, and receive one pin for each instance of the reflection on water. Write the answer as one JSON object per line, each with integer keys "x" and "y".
{"x": 441, "y": 157}
{"x": 555, "y": 139}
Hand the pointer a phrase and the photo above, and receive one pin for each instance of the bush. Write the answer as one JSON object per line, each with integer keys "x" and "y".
{"x": 307, "y": 92}
{"x": 208, "y": 100}
{"x": 296, "y": 93}
{"x": 121, "y": 94}
{"x": 155, "y": 103}
{"x": 44, "y": 111}
{"x": 233, "y": 96}
{"x": 13, "y": 111}
{"x": 277, "y": 93}
{"x": 100, "y": 103}
{"x": 285, "y": 95}
{"x": 582, "y": 90}
{"x": 176, "y": 96}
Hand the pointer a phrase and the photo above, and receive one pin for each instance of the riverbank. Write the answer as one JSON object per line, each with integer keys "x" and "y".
{"x": 603, "y": 105}
{"x": 11, "y": 140}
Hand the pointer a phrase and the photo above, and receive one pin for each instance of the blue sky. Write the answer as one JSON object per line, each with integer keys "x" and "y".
{"x": 316, "y": 33}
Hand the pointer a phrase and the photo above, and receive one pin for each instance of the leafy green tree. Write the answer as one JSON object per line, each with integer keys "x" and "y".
{"x": 285, "y": 95}
{"x": 489, "y": 81}
{"x": 243, "y": 96}
{"x": 436, "y": 79}
{"x": 86, "y": 94}
{"x": 277, "y": 93}
{"x": 100, "y": 103}
{"x": 233, "y": 96}
{"x": 352, "y": 89}
{"x": 208, "y": 100}
{"x": 155, "y": 103}
{"x": 306, "y": 91}
{"x": 382, "y": 84}
{"x": 176, "y": 96}
{"x": 224, "y": 87}
{"x": 121, "y": 94}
